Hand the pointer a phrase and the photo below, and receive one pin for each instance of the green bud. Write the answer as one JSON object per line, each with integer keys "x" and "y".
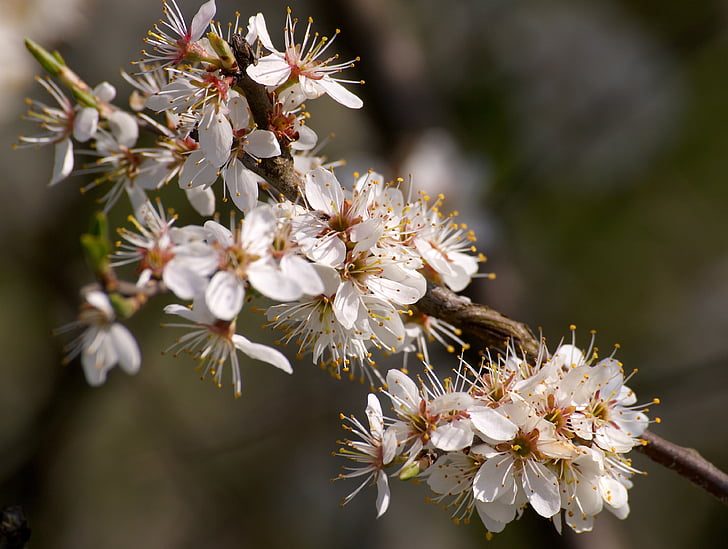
{"x": 124, "y": 307}
{"x": 50, "y": 62}
{"x": 410, "y": 472}
{"x": 224, "y": 52}
{"x": 56, "y": 66}
{"x": 84, "y": 98}
{"x": 97, "y": 246}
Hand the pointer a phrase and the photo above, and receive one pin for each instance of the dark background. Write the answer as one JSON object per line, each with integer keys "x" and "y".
{"x": 585, "y": 142}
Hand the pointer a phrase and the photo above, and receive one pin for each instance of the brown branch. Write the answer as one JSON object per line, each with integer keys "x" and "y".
{"x": 278, "y": 171}
{"x": 487, "y": 324}
{"x": 687, "y": 463}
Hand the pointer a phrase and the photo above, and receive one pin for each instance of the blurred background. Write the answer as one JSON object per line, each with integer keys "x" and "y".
{"x": 585, "y": 142}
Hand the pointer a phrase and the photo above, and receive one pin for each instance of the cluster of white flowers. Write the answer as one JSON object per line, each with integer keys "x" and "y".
{"x": 340, "y": 273}
{"x": 344, "y": 267}
{"x": 551, "y": 433}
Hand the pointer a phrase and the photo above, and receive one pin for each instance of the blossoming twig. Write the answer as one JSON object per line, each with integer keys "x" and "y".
{"x": 353, "y": 271}
{"x": 492, "y": 327}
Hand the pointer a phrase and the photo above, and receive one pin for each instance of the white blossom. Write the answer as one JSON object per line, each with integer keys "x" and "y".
{"x": 307, "y": 64}
{"x": 373, "y": 453}
{"x": 104, "y": 343}
{"x": 214, "y": 343}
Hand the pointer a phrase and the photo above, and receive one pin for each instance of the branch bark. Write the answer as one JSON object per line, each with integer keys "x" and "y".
{"x": 688, "y": 463}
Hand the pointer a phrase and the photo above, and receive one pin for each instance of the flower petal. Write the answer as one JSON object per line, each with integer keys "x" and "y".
{"x": 340, "y": 94}
{"x": 201, "y": 20}
{"x": 323, "y": 191}
{"x": 242, "y": 184}
{"x": 263, "y": 353}
{"x": 202, "y": 200}
{"x": 271, "y": 70}
{"x": 224, "y": 295}
{"x": 262, "y": 144}
{"x": 62, "y": 160}
{"x": 126, "y": 348}
{"x": 383, "y": 495}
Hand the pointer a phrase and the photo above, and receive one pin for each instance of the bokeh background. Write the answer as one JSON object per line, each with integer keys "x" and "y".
{"x": 585, "y": 142}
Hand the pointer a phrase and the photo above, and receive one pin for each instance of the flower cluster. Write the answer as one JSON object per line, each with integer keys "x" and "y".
{"x": 341, "y": 273}
{"x": 551, "y": 433}
{"x": 344, "y": 268}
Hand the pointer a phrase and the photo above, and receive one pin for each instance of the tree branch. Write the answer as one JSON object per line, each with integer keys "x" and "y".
{"x": 688, "y": 463}
{"x": 487, "y": 324}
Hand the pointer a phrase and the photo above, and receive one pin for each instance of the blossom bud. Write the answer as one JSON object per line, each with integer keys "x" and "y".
{"x": 56, "y": 66}
{"x": 124, "y": 307}
{"x": 411, "y": 471}
{"x": 96, "y": 245}
{"x": 223, "y": 50}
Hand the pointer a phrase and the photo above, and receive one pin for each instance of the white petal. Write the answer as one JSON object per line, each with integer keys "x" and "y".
{"x": 124, "y": 128}
{"x": 273, "y": 284}
{"x": 62, "y": 161}
{"x": 138, "y": 199}
{"x": 445, "y": 477}
{"x": 174, "y": 96}
{"x": 310, "y": 87}
{"x": 239, "y": 112}
{"x": 488, "y": 511}
{"x": 306, "y": 275}
{"x": 152, "y": 174}
{"x": 541, "y": 488}
{"x": 494, "y": 479}
{"x": 340, "y": 94}
{"x": 216, "y": 136}
{"x": 100, "y": 301}
{"x": 452, "y": 436}
{"x": 184, "y": 282}
{"x": 404, "y": 390}
{"x": 219, "y": 233}
{"x": 224, "y": 295}
{"x": 389, "y": 446}
{"x": 291, "y": 97}
{"x": 366, "y": 234}
{"x": 260, "y": 31}
{"x": 383, "y": 495}
{"x": 181, "y": 310}
{"x": 85, "y": 124}
{"x": 374, "y": 415}
{"x": 395, "y": 292}
{"x": 202, "y": 200}
{"x": 323, "y": 191}
{"x": 271, "y": 70}
{"x": 459, "y": 278}
{"x": 262, "y": 144}
{"x": 126, "y": 348}
{"x": 105, "y": 92}
{"x": 201, "y": 20}
{"x": 329, "y": 250}
{"x": 346, "y": 305}
{"x": 95, "y": 373}
{"x": 257, "y": 235}
{"x": 197, "y": 171}
{"x": 611, "y": 438}
{"x": 263, "y": 353}
{"x": 307, "y": 139}
{"x": 492, "y": 424}
{"x": 242, "y": 184}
